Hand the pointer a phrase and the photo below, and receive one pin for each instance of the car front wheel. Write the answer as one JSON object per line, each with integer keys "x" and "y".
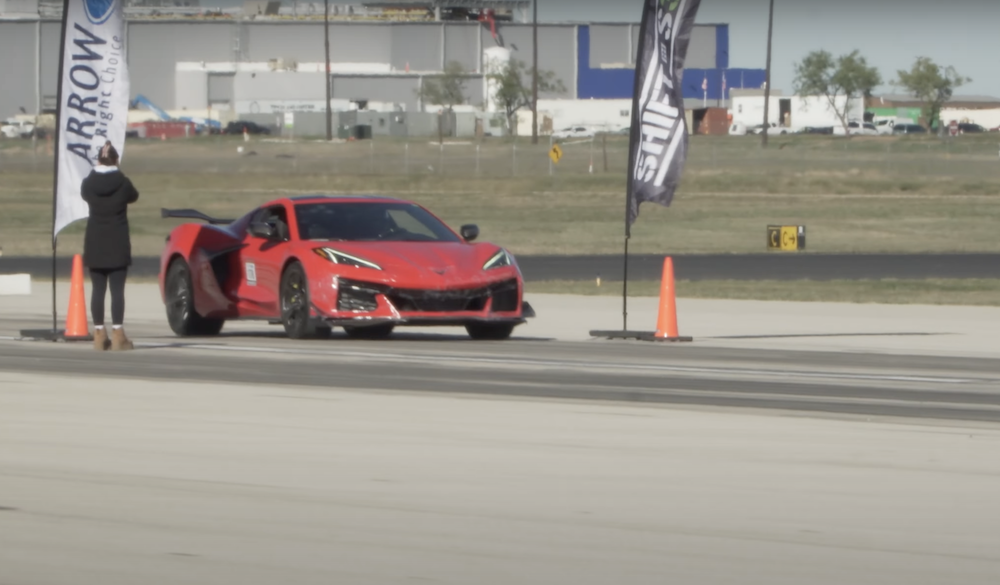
{"x": 295, "y": 308}
{"x": 489, "y": 331}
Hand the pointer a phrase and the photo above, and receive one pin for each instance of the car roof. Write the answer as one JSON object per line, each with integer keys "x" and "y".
{"x": 322, "y": 198}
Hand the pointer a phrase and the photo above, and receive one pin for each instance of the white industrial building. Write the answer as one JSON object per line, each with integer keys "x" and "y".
{"x": 267, "y": 58}
{"x": 792, "y": 112}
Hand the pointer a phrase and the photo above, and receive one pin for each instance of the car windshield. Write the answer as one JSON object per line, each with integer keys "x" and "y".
{"x": 370, "y": 222}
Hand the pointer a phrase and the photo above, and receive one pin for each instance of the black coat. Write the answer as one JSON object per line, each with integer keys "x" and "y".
{"x": 107, "y": 244}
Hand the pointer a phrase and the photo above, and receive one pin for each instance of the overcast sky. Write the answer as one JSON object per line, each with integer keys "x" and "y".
{"x": 889, "y": 33}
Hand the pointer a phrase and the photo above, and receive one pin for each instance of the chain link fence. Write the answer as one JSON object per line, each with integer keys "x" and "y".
{"x": 965, "y": 157}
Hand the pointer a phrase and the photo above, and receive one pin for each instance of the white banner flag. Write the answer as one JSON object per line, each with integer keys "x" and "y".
{"x": 93, "y": 98}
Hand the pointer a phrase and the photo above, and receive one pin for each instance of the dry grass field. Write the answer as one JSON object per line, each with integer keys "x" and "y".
{"x": 878, "y": 194}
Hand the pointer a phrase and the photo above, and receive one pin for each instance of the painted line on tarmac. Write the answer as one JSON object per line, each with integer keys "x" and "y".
{"x": 840, "y": 400}
{"x": 573, "y": 364}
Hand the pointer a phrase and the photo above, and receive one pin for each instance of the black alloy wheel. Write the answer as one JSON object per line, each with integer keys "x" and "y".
{"x": 181, "y": 314}
{"x": 295, "y": 307}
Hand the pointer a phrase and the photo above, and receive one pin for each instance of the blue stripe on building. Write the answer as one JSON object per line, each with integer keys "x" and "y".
{"x": 617, "y": 83}
{"x": 722, "y": 46}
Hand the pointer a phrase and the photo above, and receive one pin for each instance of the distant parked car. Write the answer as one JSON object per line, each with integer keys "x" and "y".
{"x": 237, "y": 127}
{"x": 14, "y": 128}
{"x": 857, "y": 128}
{"x": 970, "y": 128}
{"x": 573, "y": 132}
{"x": 909, "y": 129}
{"x": 816, "y": 130}
{"x": 884, "y": 126}
{"x": 773, "y": 129}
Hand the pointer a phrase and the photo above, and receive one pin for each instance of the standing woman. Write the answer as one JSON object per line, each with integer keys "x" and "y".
{"x": 107, "y": 248}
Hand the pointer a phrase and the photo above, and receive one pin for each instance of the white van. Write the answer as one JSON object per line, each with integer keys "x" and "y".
{"x": 14, "y": 128}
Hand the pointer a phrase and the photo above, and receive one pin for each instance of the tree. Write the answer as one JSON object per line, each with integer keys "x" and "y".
{"x": 931, "y": 84}
{"x": 447, "y": 90}
{"x": 846, "y": 78}
{"x": 511, "y": 91}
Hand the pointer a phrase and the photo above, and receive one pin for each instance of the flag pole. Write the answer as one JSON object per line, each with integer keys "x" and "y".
{"x": 625, "y": 288}
{"x": 767, "y": 76}
{"x": 635, "y": 134}
{"x": 55, "y": 163}
{"x": 658, "y": 133}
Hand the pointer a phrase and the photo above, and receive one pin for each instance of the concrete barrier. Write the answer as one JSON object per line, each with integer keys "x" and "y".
{"x": 15, "y": 284}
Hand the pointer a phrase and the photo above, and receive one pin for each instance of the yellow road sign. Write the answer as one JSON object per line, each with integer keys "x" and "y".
{"x": 788, "y": 238}
{"x": 556, "y": 153}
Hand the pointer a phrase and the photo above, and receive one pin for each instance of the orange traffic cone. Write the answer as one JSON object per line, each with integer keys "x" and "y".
{"x": 76, "y": 316}
{"x": 666, "y": 320}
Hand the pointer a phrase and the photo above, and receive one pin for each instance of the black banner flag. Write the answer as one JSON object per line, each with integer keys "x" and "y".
{"x": 659, "y": 137}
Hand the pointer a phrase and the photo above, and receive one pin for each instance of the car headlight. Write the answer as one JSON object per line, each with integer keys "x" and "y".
{"x": 338, "y": 257}
{"x": 499, "y": 260}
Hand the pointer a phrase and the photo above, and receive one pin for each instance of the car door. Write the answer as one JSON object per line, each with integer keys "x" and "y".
{"x": 261, "y": 260}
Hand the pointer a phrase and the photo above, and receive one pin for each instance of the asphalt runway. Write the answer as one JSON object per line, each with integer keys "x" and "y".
{"x": 776, "y": 266}
{"x": 944, "y": 388}
{"x": 254, "y": 459}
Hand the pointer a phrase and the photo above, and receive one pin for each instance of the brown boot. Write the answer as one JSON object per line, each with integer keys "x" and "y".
{"x": 118, "y": 340}
{"x": 101, "y": 341}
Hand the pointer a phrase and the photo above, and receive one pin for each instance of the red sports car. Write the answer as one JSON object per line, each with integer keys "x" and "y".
{"x": 364, "y": 263}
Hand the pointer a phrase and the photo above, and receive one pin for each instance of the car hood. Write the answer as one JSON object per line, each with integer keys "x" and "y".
{"x": 421, "y": 264}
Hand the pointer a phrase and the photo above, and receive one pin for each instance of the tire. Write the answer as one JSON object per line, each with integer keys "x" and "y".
{"x": 370, "y": 332}
{"x": 489, "y": 331}
{"x": 181, "y": 315}
{"x": 295, "y": 308}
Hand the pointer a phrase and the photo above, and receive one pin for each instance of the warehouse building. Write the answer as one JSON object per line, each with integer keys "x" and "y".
{"x": 268, "y": 58}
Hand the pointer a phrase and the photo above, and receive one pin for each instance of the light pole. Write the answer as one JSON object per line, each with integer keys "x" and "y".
{"x": 534, "y": 73}
{"x": 767, "y": 76}
{"x": 326, "y": 40}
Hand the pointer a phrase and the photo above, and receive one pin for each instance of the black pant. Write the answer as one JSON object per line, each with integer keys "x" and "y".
{"x": 100, "y": 278}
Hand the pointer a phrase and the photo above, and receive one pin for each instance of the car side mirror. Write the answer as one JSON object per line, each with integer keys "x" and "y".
{"x": 470, "y": 232}
{"x": 263, "y": 230}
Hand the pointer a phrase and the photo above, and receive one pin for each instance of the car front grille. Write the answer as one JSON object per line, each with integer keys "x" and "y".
{"x": 437, "y": 301}
{"x": 505, "y": 299}
{"x": 360, "y": 296}
{"x": 356, "y": 297}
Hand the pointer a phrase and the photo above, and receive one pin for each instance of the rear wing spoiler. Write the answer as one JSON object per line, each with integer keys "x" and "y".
{"x": 193, "y": 214}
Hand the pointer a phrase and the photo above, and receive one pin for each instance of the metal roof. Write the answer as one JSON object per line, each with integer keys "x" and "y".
{"x": 985, "y": 99}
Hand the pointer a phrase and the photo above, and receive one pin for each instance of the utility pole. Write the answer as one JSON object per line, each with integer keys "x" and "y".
{"x": 767, "y": 77}
{"x": 534, "y": 73}
{"x": 326, "y": 34}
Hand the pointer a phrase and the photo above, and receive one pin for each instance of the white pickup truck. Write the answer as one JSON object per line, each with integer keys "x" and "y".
{"x": 14, "y": 128}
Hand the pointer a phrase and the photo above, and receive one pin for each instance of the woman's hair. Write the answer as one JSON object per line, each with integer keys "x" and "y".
{"x": 108, "y": 155}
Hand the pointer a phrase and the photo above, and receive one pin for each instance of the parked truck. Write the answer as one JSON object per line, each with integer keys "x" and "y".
{"x": 26, "y": 126}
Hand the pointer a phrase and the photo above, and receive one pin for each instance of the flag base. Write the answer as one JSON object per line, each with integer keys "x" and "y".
{"x": 638, "y": 335}
{"x": 51, "y": 335}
